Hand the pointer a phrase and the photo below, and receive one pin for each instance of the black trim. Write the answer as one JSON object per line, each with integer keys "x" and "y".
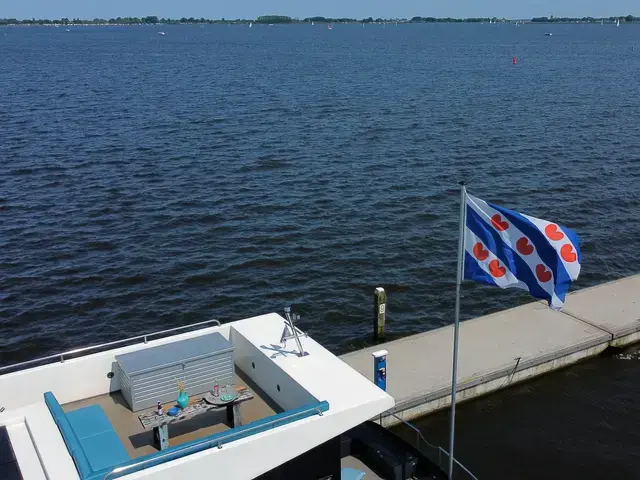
{"x": 322, "y": 462}
{"x": 9, "y": 469}
{"x": 379, "y": 449}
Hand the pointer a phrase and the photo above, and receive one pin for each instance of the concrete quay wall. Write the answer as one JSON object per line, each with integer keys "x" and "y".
{"x": 504, "y": 348}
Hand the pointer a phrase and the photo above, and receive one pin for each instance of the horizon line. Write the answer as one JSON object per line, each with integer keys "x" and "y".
{"x": 159, "y": 17}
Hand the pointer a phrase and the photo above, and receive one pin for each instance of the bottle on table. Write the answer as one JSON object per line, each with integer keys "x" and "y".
{"x": 216, "y": 388}
{"x": 159, "y": 409}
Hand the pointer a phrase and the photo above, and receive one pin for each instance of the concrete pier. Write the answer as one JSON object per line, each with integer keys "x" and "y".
{"x": 506, "y": 347}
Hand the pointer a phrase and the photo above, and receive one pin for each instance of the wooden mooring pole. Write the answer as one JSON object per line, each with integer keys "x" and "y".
{"x": 379, "y": 313}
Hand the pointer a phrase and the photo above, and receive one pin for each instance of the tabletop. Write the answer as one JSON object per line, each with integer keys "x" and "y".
{"x": 151, "y": 419}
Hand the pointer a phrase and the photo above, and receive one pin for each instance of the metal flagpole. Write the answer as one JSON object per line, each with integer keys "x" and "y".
{"x": 456, "y": 328}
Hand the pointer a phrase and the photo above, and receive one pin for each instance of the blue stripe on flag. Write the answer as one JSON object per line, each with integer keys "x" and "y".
{"x": 511, "y": 259}
{"x": 473, "y": 271}
{"x": 573, "y": 237}
{"x": 545, "y": 251}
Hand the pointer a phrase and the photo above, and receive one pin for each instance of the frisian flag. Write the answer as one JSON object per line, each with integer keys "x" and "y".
{"x": 512, "y": 250}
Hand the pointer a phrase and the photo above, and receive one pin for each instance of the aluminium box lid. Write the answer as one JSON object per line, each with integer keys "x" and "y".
{"x": 173, "y": 353}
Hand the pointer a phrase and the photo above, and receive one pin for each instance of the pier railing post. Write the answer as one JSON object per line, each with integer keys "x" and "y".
{"x": 379, "y": 313}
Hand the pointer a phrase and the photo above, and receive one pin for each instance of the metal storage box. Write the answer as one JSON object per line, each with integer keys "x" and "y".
{"x": 152, "y": 375}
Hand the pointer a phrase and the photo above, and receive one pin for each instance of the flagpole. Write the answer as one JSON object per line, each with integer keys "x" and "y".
{"x": 456, "y": 327}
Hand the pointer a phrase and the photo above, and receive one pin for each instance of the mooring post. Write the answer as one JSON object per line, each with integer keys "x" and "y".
{"x": 379, "y": 313}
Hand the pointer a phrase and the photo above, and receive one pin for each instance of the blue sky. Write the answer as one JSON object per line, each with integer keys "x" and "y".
{"x": 302, "y": 8}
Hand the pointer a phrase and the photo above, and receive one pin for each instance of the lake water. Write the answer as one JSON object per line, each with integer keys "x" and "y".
{"x": 152, "y": 181}
{"x": 581, "y": 422}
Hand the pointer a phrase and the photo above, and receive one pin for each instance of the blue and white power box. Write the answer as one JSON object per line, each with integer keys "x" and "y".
{"x": 380, "y": 369}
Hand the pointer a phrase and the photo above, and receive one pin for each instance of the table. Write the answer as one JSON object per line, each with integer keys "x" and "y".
{"x": 160, "y": 423}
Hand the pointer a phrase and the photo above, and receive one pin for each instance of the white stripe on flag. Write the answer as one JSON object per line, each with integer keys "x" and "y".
{"x": 491, "y": 264}
{"x": 513, "y": 237}
{"x": 572, "y": 268}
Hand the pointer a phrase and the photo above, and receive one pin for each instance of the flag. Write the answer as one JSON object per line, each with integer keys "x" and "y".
{"x": 512, "y": 250}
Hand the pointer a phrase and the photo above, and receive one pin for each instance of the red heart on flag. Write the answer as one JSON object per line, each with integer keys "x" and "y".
{"x": 553, "y": 233}
{"x": 567, "y": 253}
{"x": 524, "y": 247}
{"x": 500, "y": 224}
{"x": 496, "y": 270}
{"x": 480, "y": 252}
{"x": 542, "y": 273}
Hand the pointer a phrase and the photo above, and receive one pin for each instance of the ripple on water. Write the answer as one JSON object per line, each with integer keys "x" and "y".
{"x": 138, "y": 194}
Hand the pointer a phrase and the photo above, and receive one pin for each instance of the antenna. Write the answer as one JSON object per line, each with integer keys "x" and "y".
{"x": 291, "y": 331}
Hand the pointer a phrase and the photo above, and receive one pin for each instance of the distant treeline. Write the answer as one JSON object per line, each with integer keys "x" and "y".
{"x": 452, "y": 20}
{"x": 274, "y": 19}
{"x": 351, "y": 20}
{"x": 269, "y": 19}
{"x": 628, "y": 19}
{"x": 152, "y": 20}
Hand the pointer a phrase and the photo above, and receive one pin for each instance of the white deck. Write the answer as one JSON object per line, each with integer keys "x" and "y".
{"x": 25, "y": 452}
{"x": 44, "y": 438}
{"x": 320, "y": 375}
{"x": 289, "y": 381}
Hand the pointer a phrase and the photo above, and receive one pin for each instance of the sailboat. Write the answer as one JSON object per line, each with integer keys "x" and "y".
{"x": 312, "y": 24}
{"x": 330, "y": 27}
{"x": 250, "y": 24}
{"x": 602, "y": 22}
{"x": 618, "y": 24}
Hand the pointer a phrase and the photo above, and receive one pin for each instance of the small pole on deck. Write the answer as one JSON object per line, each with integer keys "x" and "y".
{"x": 379, "y": 313}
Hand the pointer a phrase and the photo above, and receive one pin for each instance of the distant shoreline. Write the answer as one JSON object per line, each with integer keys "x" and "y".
{"x": 281, "y": 19}
{"x": 520, "y": 22}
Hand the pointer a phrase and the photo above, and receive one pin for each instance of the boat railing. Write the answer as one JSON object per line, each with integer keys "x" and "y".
{"x": 79, "y": 352}
{"x": 436, "y": 449}
{"x": 178, "y": 452}
{"x": 465, "y": 470}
